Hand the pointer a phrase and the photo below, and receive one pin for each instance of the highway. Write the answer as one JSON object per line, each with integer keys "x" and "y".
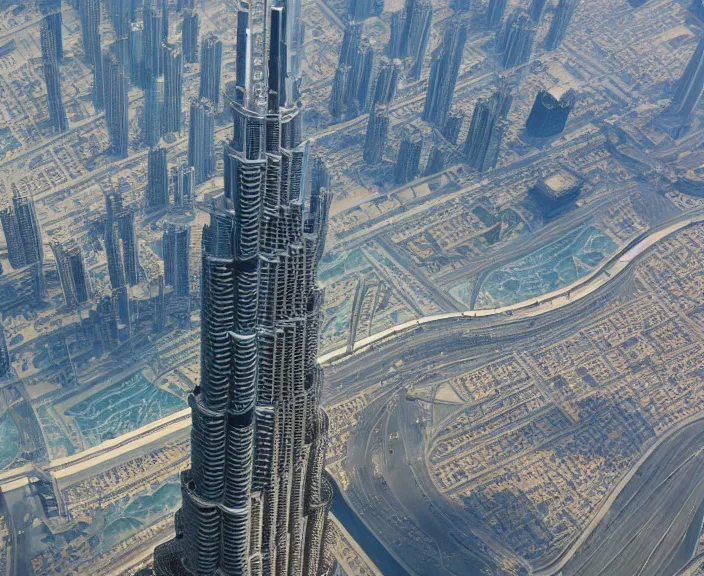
{"x": 653, "y": 526}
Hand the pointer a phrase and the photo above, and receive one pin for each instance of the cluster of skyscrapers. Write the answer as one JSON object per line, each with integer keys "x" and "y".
{"x": 410, "y": 30}
{"x": 256, "y": 498}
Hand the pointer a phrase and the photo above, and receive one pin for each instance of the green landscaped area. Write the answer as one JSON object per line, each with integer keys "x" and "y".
{"x": 121, "y": 408}
{"x": 550, "y": 268}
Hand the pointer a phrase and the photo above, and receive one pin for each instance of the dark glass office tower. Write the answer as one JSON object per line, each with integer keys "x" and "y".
{"x": 256, "y": 498}
{"x": 210, "y": 68}
{"x": 549, "y": 114}
{"x": 444, "y": 71}
{"x": 52, "y": 77}
{"x": 201, "y": 139}
{"x": 189, "y": 36}
{"x": 173, "y": 89}
{"x": 560, "y": 21}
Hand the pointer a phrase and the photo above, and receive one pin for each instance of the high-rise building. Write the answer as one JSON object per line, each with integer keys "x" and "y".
{"x": 153, "y": 44}
{"x": 28, "y": 226}
{"x": 158, "y": 327}
{"x": 176, "y": 245}
{"x": 189, "y": 36}
{"x": 72, "y": 271}
{"x": 173, "y": 89}
{"x": 157, "y": 178}
{"x": 98, "y": 88}
{"x": 483, "y": 131}
{"x": 54, "y": 24}
{"x": 210, "y": 69}
{"x": 130, "y": 248}
{"x": 495, "y": 13}
{"x": 22, "y": 232}
{"x": 462, "y": 6}
{"x": 135, "y": 43}
{"x": 408, "y": 160}
{"x": 688, "y": 93}
{"x": 410, "y": 34}
{"x": 120, "y": 242}
{"x": 377, "y": 134}
{"x": 90, "y": 28}
{"x": 121, "y": 49}
{"x": 201, "y": 139}
{"x": 444, "y": 71}
{"x": 385, "y": 82}
{"x": 13, "y": 240}
{"x": 5, "y": 365}
{"x": 184, "y": 186}
{"x": 256, "y": 498}
{"x": 52, "y": 78}
{"x": 105, "y": 320}
{"x": 436, "y": 161}
{"x": 453, "y": 126}
{"x": 116, "y": 105}
{"x": 121, "y": 304}
{"x": 536, "y": 9}
{"x": 550, "y": 112}
{"x": 151, "y": 123}
{"x": 119, "y": 12}
{"x": 359, "y": 10}
{"x": 516, "y": 42}
{"x": 560, "y": 21}
{"x": 164, "y": 7}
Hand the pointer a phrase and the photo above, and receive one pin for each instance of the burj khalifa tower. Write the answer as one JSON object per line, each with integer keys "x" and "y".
{"x": 256, "y": 499}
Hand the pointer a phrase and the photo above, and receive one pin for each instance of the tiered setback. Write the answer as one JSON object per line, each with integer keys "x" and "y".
{"x": 256, "y": 499}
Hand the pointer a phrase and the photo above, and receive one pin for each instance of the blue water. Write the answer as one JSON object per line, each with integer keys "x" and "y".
{"x": 552, "y": 267}
{"x": 365, "y": 538}
{"x": 121, "y": 408}
{"x": 10, "y": 444}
